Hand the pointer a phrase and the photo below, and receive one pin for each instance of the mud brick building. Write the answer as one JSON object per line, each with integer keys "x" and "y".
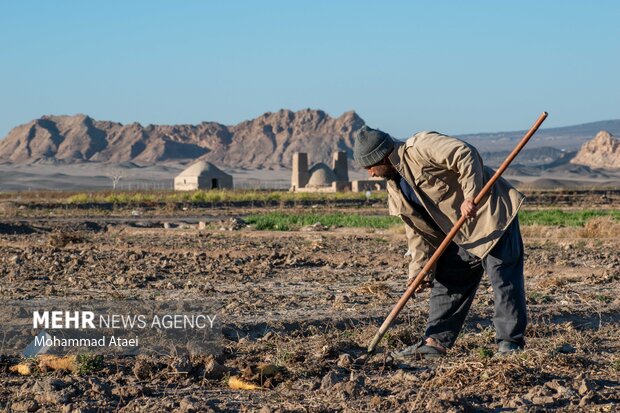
{"x": 202, "y": 175}
{"x": 322, "y": 178}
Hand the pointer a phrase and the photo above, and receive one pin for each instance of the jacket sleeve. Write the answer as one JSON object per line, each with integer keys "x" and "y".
{"x": 457, "y": 156}
{"x": 421, "y": 251}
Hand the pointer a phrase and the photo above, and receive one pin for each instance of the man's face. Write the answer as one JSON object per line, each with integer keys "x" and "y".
{"x": 383, "y": 169}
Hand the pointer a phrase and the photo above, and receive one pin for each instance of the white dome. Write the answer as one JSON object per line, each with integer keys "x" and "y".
{"x": 202, "y": 168}
{"x": 321, "y": 175}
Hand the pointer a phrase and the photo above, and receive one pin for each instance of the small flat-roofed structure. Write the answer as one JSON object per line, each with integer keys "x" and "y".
{"x": 202, "y": 175}
{"x": 363, "y": 185}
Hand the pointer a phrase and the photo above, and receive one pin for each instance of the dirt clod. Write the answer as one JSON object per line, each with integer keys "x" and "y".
{"x": 584, "y": 387}
{"x": 566, "y": 349}
{"x": 330, "y": 379}
{"x": 586, "y": 399}
{"x": 144, "y": 368}
{"x": 212, "y": 370}
{"x": 188, "y": 405}
{"x": 344, "y": 360}
{"x": 25, "y": 406}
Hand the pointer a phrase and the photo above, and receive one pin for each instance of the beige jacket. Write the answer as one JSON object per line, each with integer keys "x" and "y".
{"x": 443, "y": 172}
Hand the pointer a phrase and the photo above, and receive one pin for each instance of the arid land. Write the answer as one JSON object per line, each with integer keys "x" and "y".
{"x": 306, "y": 303}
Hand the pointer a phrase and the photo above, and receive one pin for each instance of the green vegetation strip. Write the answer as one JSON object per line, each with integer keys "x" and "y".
{"x": 282, "y": 221}
{"x": 287, "y": 222}
{"x": 122, "y": 197}
{"x": 569, "y": 218}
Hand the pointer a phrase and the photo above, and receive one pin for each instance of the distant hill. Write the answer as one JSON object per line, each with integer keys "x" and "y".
{"x": 268, "y": 141}
{"x": 528, "y": 156}
{"x": 601, "y": 152}
{"x": 568, "y": 138}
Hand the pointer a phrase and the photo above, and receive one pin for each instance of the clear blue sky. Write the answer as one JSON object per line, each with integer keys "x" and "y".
{"x": 404, "y": 66}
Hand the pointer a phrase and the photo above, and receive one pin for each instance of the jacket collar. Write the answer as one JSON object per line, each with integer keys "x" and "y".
{"x": 395, "y": 156}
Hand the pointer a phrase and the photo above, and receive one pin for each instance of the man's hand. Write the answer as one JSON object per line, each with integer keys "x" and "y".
{"x": 469, "y": 208}
{"x": 426, "y": 283}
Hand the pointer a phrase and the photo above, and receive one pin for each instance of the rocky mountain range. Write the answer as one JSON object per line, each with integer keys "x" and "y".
{"x": 268, "y": 141}
{"x": 602, "y": 152}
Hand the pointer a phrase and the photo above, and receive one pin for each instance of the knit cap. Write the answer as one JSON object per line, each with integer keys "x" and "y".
{"x": 371, "y": 146}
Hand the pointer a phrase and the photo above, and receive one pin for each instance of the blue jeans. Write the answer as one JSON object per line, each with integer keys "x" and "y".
{"x": 456, "y": 281}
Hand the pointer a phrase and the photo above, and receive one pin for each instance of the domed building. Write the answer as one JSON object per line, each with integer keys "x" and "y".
{"x": 202, "y": 175}
{"x": 320, "y": 177}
